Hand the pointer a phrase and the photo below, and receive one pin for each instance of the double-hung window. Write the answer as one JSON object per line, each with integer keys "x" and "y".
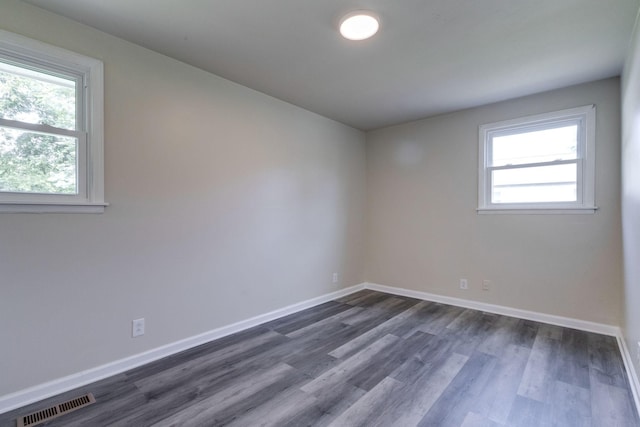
{"x": 51, "y": 128}
{"x": 539, "y": 164}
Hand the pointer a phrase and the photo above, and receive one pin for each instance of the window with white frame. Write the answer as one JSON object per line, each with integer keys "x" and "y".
{"x": 542, "y": 163}
{"x": 51, "y": 128}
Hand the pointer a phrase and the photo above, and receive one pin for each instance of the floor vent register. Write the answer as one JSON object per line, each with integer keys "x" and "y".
{"x": 55, "y": 411}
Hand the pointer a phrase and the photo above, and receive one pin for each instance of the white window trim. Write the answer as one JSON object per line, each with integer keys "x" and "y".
{"x": 91, "y": 198}
{"x": 586, "y": 165}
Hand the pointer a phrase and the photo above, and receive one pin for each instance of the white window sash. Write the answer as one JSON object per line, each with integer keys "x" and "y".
{"x": 584, "y": 117}
{"x": 88, "y": 74}
{"x": 39, "y": 128}
{"x": 80, "y": 197}
{"x": 532, "y": 165}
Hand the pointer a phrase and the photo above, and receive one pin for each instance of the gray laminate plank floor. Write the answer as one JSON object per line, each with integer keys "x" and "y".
{"x": 373, "y": 359}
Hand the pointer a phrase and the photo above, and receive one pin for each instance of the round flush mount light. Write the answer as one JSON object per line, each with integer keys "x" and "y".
{"x": 359, "y": 25}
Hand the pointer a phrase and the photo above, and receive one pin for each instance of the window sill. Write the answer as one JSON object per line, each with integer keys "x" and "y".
{"x": 538, "y": 211}
{"x": 90, "y": 208}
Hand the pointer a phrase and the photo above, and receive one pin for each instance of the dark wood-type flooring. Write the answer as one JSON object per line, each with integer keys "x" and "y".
{"x": 373, "y": 359}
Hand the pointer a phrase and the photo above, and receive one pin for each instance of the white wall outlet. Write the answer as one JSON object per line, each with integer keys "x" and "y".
{"x": 464, "y": 284}
{"x": 486, "y": 285}
{"x": 137, "y": 327}
{"x": 335, "y": 278}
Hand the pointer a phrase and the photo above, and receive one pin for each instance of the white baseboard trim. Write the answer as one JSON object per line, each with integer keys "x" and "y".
{"x": 42, "y": 391}
{"x": 631, "y": 370}
{"x": 566, "y": 322}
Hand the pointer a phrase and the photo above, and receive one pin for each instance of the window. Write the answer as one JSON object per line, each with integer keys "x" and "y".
{"x": 539, "y": 164}
{"x": 51, "y": 126}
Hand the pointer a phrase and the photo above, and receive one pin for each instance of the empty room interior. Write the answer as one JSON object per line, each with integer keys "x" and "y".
{"x": 238, "y": 213}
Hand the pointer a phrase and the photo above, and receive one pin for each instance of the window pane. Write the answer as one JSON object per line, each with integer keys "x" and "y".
{"x": 34, "y": 97}
{"x": 33, "y": 162}
{"x": 559, "y": 143}
{"x": 556, "y": 183}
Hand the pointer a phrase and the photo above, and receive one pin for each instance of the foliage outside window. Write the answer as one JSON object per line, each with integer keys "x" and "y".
{"x": 542, "y": 163}
{"x": 50, "y": 129}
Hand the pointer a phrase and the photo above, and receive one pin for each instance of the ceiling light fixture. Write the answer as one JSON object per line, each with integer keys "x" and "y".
{"x": 359, "y": 25}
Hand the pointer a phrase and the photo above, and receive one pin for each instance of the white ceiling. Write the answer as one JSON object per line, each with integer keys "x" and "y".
{"x": 429, "y": 57}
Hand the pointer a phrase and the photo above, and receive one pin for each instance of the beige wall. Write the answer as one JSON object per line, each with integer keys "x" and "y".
{"x": 225, "y": 204}
{"x": 424, "y": 233}
{"x": 631, "y": 197}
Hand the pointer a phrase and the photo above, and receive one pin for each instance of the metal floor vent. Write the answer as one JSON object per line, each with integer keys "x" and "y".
{"x": 56, "y": 411}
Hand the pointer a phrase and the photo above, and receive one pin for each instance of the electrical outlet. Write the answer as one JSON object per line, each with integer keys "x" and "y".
{"x": 137, "y": 327}
{"x": 486, "y": 285}
{"x": 464, "y": 284}
{"x": 335, "y": 278}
